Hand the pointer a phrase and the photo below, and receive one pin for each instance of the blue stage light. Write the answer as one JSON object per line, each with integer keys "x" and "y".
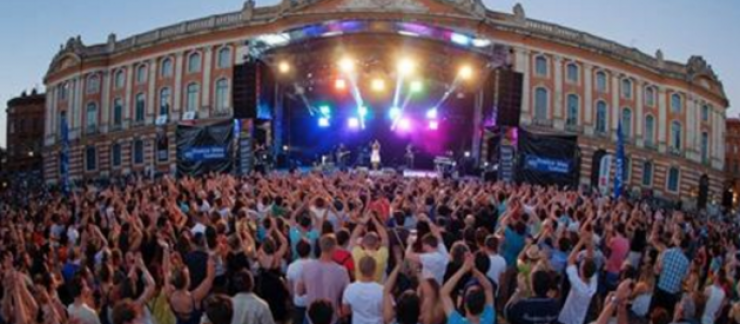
{"x": 323, "y": 122}
{"x": 395, "y": 112}
{"x": 432, "y": 113}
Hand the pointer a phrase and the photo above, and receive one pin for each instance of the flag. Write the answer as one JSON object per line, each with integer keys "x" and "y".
{"x": 64, "y": 156}
{"x": 619, "y": 163}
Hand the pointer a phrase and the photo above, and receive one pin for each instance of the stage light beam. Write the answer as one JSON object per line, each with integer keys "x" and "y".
{"x": 378, "y": 85}
{"x": 465, "y": 72}
{"x": 340, "y": 84}
{"x": 362, "y": 111}
{"x": 395, "y": 112}
{"x": 346, "y": 65}
{"x": 284, "y": 67}
{"x": 406, "y": 66}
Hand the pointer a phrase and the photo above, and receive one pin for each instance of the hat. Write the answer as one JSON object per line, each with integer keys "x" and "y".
{"x": 533, "y": 252}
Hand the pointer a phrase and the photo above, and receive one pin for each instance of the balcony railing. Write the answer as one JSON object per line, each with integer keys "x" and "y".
{"x": 137, "y": 123}
{"x": 221, "y": 113}
{"x": 91, "y": 129}
{"x": 574, "y": 128}
{"x": 675, "y": 151}
{"x": 542, "y": 122}
{"x": 116, "y": 127}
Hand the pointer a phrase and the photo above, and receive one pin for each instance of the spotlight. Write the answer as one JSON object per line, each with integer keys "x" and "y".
{"x": 433, "y": 125}
{"x": 346, "y": 65}
{"x": 460, "y": 39}
{"x": 285, "y": 148}
{"x": 406, "y": 66}
{"x": 284, "y": 67}
{"x": 432, "y": 113}
{"x": 323, "y": 122}
{"x": 395, "y": 112}
{"x": 340, "y": 84}
{"x": 416, "y": 86}
{"x": 353, "y": 122}
{"x": 404, "y": 124}
{"x": 378, "y": 85}
{"x": 467, "y": 154}
{"x": 325, "y": 110}
{"x": 465, "y": 72}
{"x": 362, "y": 111}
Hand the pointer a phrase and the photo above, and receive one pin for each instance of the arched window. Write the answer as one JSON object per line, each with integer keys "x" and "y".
{"x": 92, "y": 116}
{"x": 222, "y": 94}
{"x": 138, "y": 151}
{"x": 627, "y": 88}
{"x": 120, "y": 79}
{"x": 166, "y": 70}
{"x": 601, "y": 113}
{"x": 540, "y": 65}
{"x": 674, "y": 178}
{"x": 192, "y": 97}
{"x": 194, "y": 63}
{"x": 626, "y": 122}
{"x": 116, "y": 154}
{"x": 649, "y": 130}
{"x": 541, "y": 103}
{"x": 141, "y": 74}
{"x": 140, "y": 107}
{"x": 93, "y": 84}
{"x": 705, "y": 110}
{"x": 573, "y": 108}
{"x": 647, "y": 173}
{"x": 224, "y": 57}
{"x": 164, "y": 101}
{"x": 117, "y": 111}
{"x": 91, "y": 158}
{"x": 704, "y": 146}
{"x": 601, "y": 81}
{"x": 676, "y": 135}
{"x": 650, "y": 96}
{"x": 572, "y": 73}
{"x": 676, "y": 103}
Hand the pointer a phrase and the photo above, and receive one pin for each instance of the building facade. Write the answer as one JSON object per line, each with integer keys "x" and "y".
{"x": 25, "y": 133}
{"x": 111, "y": 94}
{"x": 732, "y": 158}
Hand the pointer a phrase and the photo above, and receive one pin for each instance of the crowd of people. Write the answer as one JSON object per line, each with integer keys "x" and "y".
{"x": 353, "y": 248}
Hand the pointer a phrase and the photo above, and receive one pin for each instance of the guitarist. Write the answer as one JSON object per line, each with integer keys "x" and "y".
{"x": 409, "y": 157}
{"x": 341, "y": 155}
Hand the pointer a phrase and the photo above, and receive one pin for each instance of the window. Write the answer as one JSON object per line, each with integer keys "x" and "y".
{"x": 572, "y": 117}
{"x": 627, "y": 170}
{"x": 164, "y": 101}
{"x": 194, "y": 63}
{"x": 224, "y": 57}
{"x": 676, "y": 103}
{"x": 166, "y": 70}
{"x": 601, "y": 81}
{"x": 138, "y": 151}
{"x": 704, "y": 146}
{"x": 650, "y": 96}
{"x": 117, "y": 111}
{"x": 627, "y": 88}
{"x": 92, "y": 116}
{"x": 62, "y": 119}
{"x": 626, "y": 122}
{"x": 572, "y": 73}
{"x": 540, "y": 66}
{"x": 647, "y": 173}
{"x": 222, "y": 94}
{"x": 192, "y": 97}
{"x": 673, "y": 179}
{"x": 120, "y": 79}
{"x": 116, "y": 154}
{"x": 676, "y": 135}
{"x": 141, "y": 74}
{"x": 91, "y": 159}
{"x": 63, "y": 89}
{"x": 140, "y": 107}
{"x": 601, "y": 111}
{"x": 540, "y": 103}
{"x": 649, "y": 130}
{"x": 93, "y": 84}
{"x": 705, "y": 109}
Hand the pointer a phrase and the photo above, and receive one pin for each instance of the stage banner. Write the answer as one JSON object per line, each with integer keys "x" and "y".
{"x": 204, "y": 148}
{"x": 605, "y": 168}
{"x": 546, "y": 159}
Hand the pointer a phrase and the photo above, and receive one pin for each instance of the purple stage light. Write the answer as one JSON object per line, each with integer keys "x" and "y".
{"x": 404, "y": 124}
{"x": 433, "y": 125}
{"x": 353, "y": 122}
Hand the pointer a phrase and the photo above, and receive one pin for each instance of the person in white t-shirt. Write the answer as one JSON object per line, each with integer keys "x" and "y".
{"x": 364, "y": 298}
{"x": 715, "y": 298}
{"x": 294, "y": 274}
{"x": 498, "y": 263}
{"x": 79, "y": 310}
{"x": 434, "y": 257}
{"x": 583, "y": 282}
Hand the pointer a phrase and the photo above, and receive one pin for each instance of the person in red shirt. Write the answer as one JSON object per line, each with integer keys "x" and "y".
{"x": 341, "y": 255}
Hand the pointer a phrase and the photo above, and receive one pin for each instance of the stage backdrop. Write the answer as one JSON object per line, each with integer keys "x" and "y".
{"x": 205, "y": 148}
{"x": 547, "y": 159}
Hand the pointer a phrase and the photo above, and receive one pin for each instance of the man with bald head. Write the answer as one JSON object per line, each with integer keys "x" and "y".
{"x": 373, "y": 244}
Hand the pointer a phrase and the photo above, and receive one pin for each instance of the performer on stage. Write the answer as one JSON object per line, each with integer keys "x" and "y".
{"x": 341, "y": 156}
{"x": 375, "y": 155}
{"x": 409, "y": 156}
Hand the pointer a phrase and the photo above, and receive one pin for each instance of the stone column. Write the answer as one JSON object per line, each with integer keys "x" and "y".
{"x": 588, "y": 101}
{"x": 127, "y": 101}
{"x": 151, "y": 106}
{"x": 640, "y": 117}
{"x": 558, "y": 120}
{"x": 105, "y": 103}
{"x": 177, "y": 89}
{"x": 206, "y": 88}
{"x": 662, "y": 119}
{"x": 690, "y": 135}
{"x": 54, "y": 120}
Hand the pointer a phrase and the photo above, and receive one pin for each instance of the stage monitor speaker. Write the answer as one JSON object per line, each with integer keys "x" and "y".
{"x": 509, "y": 89}
{"x": 244, "y": 94}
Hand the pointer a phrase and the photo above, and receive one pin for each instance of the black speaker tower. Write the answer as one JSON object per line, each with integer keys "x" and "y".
{"x": 245, "y": 89}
